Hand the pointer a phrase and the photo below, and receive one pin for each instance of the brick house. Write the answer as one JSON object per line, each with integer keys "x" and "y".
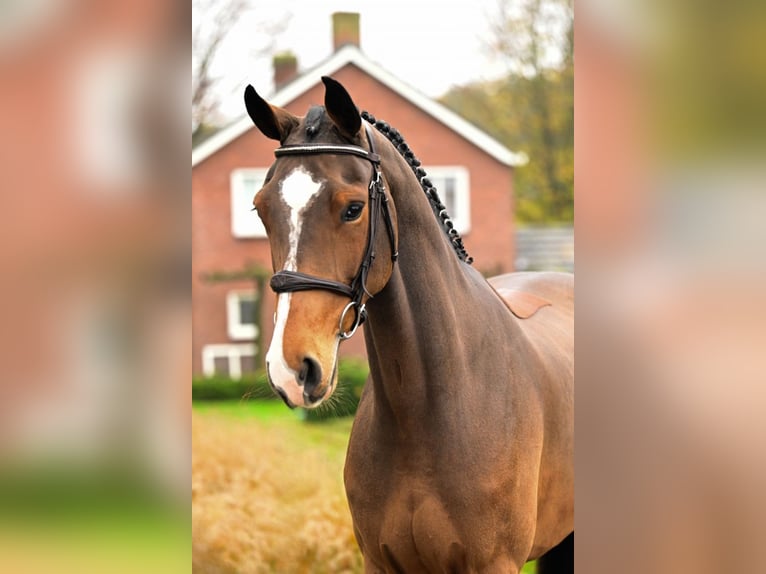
{"x": 472, "y": 172}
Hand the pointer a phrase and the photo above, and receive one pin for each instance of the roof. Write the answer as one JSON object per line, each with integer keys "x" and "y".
{"x": 350, "y": 54}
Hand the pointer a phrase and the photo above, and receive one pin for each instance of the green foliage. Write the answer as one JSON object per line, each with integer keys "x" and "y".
{"x": 352, "y": 375}
{"x": 221, "y": 388}
{"x": 533, "y": 115}
{"x": 532, "y": 108}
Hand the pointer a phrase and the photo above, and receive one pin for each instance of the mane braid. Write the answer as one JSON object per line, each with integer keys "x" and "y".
{"x": 440, "y": 211}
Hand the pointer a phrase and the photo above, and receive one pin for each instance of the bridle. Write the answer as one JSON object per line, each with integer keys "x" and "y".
{"x": 289, "y": 281}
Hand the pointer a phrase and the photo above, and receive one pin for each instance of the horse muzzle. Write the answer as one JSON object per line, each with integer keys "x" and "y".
{"x": 299, "y": 388}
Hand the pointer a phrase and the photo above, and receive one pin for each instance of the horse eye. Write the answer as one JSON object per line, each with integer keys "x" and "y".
{"x": 353, "y": 211}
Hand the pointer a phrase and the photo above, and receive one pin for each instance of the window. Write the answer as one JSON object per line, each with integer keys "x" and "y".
{"x": 452, "y": 183}
{"x": 240, "y": 315}
{"x": 231, "y": 361}
{"x": 245, "y": 183}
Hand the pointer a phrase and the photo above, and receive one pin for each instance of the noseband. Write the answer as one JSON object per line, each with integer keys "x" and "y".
{"x": 288, "y": 281}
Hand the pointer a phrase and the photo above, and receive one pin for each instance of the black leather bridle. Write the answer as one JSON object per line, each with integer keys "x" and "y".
{"x": 288, "y": 281}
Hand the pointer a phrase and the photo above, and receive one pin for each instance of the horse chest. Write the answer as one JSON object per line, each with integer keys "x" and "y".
{"x": 413, "y": 533}
{"x": 408, "y": 521}
{"x": 414, "y": 512}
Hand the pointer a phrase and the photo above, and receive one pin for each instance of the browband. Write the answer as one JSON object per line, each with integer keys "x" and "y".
{"x": 300, "y": 149}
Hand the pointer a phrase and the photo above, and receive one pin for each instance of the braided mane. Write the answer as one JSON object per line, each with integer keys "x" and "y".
{"x": 440, "y": 211}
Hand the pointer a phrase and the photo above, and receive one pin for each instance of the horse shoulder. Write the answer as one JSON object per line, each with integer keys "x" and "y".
{"x": 551, "y": 332}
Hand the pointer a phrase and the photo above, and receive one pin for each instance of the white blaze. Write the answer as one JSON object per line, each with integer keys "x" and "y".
{"x": 297, "y": 190}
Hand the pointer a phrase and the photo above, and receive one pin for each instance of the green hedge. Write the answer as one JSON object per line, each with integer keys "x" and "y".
{"x": 352, "y": 375}
{"x": 220, "y": 388}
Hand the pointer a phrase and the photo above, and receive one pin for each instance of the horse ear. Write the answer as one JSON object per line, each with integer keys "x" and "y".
{"x": 341, "y": 108}
{"x": 274, "y": 122}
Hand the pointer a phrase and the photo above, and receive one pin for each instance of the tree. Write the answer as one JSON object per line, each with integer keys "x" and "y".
{"x": 535, "y": 37}
{"x": 532, "y": 109}
{"x": 212, "y": 23}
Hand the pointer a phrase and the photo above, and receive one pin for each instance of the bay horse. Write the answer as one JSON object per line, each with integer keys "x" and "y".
{"x": 460, "y": 457}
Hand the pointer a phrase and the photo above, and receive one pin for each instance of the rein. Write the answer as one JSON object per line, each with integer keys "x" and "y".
{"x": 289, "y": 281}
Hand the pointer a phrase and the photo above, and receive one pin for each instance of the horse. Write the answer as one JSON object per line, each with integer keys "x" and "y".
{"x": 460, "y": 457}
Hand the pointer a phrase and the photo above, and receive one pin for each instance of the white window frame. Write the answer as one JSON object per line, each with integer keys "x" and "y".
{"x": 245, "y": 223}
{"x": 232, "y": 352}
{"x": 237, "y": 330}
{"x": 460, "y": 213}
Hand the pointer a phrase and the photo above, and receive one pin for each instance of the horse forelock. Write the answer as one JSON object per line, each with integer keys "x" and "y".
{"x": 316, "y": 127}
{"x": 312, "y": 123}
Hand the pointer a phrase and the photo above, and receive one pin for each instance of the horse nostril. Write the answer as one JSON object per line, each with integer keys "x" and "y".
{"x": 310, "y": 375}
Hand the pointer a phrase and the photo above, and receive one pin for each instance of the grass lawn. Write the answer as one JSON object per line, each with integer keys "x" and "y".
{"x": 244, "y": 409}
{"x": 267, "y": 491}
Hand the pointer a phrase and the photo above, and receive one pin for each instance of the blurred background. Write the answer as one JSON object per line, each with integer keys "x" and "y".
{"x": 670, "y": 180}
{"x": 94, "y": 313}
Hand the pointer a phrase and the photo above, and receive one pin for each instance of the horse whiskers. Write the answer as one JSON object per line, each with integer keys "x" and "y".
{"x": 256, "y": 393}
{"x": 339, "y": 399}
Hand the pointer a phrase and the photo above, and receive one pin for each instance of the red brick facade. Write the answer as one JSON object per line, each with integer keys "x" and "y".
{"x": 490, "y": 240}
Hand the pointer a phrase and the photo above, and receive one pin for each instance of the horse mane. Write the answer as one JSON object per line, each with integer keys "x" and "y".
{"x": 439, "y": 209}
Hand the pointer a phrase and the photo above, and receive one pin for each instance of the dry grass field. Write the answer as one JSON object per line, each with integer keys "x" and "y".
{"x": 267, "y": 492}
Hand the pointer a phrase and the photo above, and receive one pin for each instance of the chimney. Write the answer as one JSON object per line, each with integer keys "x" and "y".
{"x": 285, "y": 69}
{"x": 345, "y": 29}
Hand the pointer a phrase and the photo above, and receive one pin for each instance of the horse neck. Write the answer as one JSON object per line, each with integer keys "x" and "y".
{"x": 413, "y": 335}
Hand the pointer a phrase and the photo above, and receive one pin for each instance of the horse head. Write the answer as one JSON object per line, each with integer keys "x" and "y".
{"x": 321, "y": 203}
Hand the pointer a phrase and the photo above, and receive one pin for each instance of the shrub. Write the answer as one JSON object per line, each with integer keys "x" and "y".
{"x": 221, "y": 388}
{"x": 352, "y": 375}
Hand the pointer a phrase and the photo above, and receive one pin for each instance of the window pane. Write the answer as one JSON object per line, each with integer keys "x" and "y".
{"x": 447, "y": 193}
{"x": 452, "y": 185}
{"x": 244, "y": 221}
{"x": 446, "y": 189}
{"x": 250, "y": 184}
{"x": 246, "y": 312}
{"x": 221, "y": 366}
{"x": 247, "y": 363}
